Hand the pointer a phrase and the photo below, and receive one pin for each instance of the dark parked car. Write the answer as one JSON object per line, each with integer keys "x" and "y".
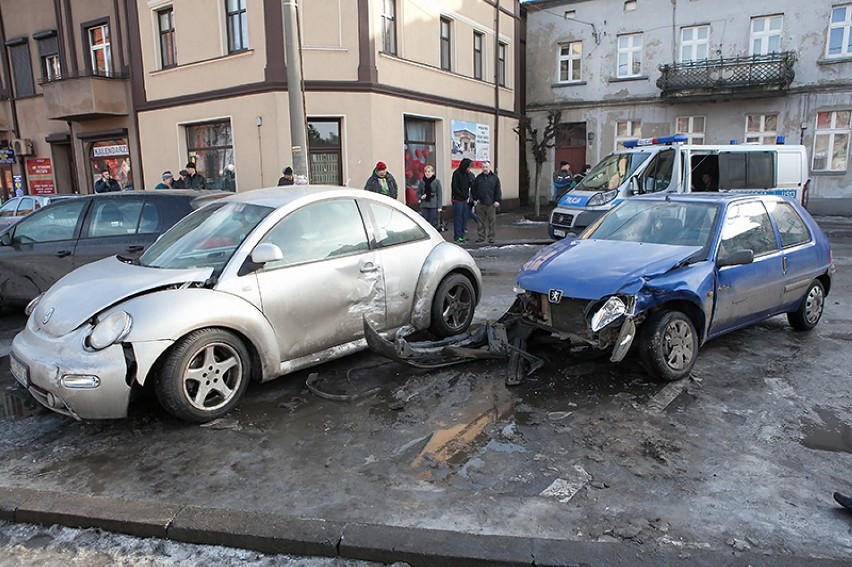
{"x": 50, "y": 242}
{"x": 674, "y": 271}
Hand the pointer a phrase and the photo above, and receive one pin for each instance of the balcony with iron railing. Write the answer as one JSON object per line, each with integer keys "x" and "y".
{"x": 744, "y": 76}
{"x": 86, "y": 96}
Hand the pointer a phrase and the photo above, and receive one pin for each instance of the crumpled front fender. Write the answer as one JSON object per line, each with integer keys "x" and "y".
{"x": 444, "y": 259}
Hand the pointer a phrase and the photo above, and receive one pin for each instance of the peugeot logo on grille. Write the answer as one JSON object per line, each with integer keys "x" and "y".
{"x": 555, "y": 295}
{"x": 47, "y": 316}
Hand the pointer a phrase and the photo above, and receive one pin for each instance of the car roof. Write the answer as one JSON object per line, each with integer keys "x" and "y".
{"x": 718, "y": 198}
{"x": 277, "y": 197}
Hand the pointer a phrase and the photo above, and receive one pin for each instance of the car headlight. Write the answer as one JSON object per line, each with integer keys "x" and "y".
{"x": 518, "y": 290}
{"x": 110, "y": 330}
{"x": 599, "y": 199}
{"x": 31, "y": 306}
{"x": 611, "y": 310}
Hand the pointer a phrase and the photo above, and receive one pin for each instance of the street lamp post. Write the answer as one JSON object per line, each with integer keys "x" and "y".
{"x": 295, "y": 91}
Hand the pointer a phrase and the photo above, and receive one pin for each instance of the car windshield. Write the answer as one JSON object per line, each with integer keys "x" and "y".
{"x": 657, "y": 222}
{"x": 206, "y": 238}
{"x": 612, "y": 170}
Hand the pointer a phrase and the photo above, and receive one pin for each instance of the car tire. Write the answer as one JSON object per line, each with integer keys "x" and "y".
{"x": 203, "y": 376}
{"x": 810, "y": 310}
{"x": 668, "y": 345}
{"x": 453, "y": 306}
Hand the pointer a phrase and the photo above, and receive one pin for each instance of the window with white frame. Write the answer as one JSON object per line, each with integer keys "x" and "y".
{"x": 761, "y": 128}
{"x": 831, "y": 140}
{"x": 694, "y": 43}
{"x": 766, "y": 34}
{"x": 100, "y": 50}
{"x": 237, "y": 21}
{"x": 626, "y": 130}
{"x": 692, "y": 127}
{"x": 48, "y": 51}
{"x": 389, "y": 26}
{"x": 446, "y": 44}
{"x": 502, "y": 52}
{"x": 570, "y": 61}
{"x": 478, "y": 58}
{"x": 840, "y": 32}
{"x": 629, "y": 55}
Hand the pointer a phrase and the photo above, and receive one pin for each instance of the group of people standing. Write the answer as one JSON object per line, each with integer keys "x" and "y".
{"x": 564, "y": 179}
{"x": 188, "y": 178}
{"x": 473, "y": 197}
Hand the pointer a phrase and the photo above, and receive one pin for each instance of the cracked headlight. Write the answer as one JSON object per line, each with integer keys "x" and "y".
{"x": 599, "y": 199}
{"x": 110, "y": 330}
{"x": 611, "y": 310}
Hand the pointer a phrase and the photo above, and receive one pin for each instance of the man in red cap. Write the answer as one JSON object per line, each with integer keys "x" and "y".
{"x": 382, "y": 181}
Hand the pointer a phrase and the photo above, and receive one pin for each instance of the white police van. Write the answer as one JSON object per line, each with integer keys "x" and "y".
{"x": 666, "y": 164}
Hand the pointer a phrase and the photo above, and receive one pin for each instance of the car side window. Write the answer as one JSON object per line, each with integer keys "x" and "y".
{"x": 791, "y": 227}
{"x": 51, "y": 224}
{"x": 394, "y": 227}
{"x": 8, "y": 208}
{"x": 25, "y": 207}
{"x": 658, "y": 175}
{"x": 149, "y": 222}
{"x": 114, "y": 217}
{"x": 747, "y": 226}
{"x": 319, "y": 231}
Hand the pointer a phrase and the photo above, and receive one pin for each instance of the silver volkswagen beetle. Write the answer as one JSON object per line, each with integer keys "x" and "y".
{"x": 250, "y": 287}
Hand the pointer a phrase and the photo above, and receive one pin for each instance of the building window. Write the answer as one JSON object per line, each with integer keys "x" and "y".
{"x": 502, "y": 49}
{"x": 478, "y": 40}
{"x": 840, "y": 32}
{"x": 237, "y": 22}
{"x": 389, "y": 26}
{"x": 694, "y": 43}
{"x": 48, "y": 52}
{"x": 630, "y": 55}
{"x": 446, "y": 44}
{"x": 114, "y": 155}
{"x": 211, "y": 147}
{"x": 692, "y": 127}
{"x": 22, "y": 69}
{"x": 831, "y": 140}
{"x": 325, "y": 151}
{"x": 766, "y": 34}
{"x": 570, "y": 61}
{"x": 166, "y": 25}
{"x": 627, "y": 130}
{"x": 419, "y": 150}
{"x": 761, "y": 128}
{"x": 100, "y": 50}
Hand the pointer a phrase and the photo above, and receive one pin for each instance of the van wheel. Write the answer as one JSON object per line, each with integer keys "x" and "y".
{"x": 204, "y": 375}
{"x": 809, "y": 312}
{"x": 668, "y": 345}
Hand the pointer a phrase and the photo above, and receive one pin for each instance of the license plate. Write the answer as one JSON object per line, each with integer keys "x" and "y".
{"x": 557, "y": 232}
{"x": 19, "y": 371}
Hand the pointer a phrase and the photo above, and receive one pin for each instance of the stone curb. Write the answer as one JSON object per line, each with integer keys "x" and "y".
{"x": 278, "y": 533}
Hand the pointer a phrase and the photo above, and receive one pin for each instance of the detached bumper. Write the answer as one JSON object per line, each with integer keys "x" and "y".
{"x": 40, "y": 363}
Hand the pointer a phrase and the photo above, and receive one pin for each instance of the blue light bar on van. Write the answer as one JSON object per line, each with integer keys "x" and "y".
{"x": 662, "y": 140}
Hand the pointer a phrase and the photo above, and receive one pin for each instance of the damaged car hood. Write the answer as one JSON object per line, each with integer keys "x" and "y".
{"x": 93, "y": 287}
{"x": 591, "y": 269}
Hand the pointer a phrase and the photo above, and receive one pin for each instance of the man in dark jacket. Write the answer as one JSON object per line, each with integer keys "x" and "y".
{"x": 487, "y": 196}
{"x": 460, "y": 192}
{"x": 193, "y": 179}
{"x": 286, "y": 177}
{"x": 106, "y": 184}
{"x": 381, "y": 181}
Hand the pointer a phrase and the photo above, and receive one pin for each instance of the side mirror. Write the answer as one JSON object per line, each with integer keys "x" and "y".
{"x": 266, "y": 252}
{"x": 736, "y": 258}
{"x": 634, "y": 186}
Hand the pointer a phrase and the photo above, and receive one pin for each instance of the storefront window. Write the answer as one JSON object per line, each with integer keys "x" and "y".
{"x": 211, "y": 146}
{"x": 115, "y": 156}
{"x": 324, "y": 151}
{"x": 419, "y": 149}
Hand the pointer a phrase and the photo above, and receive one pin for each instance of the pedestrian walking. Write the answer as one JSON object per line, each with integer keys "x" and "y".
{"x": 193, "y": 179}
{"x": 381, "y": 181}
{"x": 430, "y": 196}
{"x": 286, "y": 177}
{"x": 563, "y": 180}
{"x": 487, "y": 195}
{"x": 460, "y": 186}
{"x": 106, "y": 184}
{"x": 167, "y": 182}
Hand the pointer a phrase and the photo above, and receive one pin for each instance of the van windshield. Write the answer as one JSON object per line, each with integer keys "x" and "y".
{"x": 612, "y": 171}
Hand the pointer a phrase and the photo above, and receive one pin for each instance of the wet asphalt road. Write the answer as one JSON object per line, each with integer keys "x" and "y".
{"x": 743, "y": 456}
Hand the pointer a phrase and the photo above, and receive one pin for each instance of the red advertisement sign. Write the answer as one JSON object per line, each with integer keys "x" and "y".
{"x": 42, "y": 187}
{"x": 39, "y": 166}
{"x": 40, "y": 176}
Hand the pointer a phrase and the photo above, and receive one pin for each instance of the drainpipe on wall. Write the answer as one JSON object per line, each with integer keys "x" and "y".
{"x": 496, "y": 145}
{"x": 295, "y": 88}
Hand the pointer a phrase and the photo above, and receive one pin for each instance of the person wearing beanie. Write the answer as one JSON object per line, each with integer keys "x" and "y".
{"x": 167, "y": 182}
{"x": 286, "y": 177}
{"x": 563, "y": 180}
{"x": 381, "y": 181}
{"x": 194, "y": 180}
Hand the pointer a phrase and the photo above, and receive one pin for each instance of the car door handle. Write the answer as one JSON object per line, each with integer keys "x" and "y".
{"x": 784, "y": 264}
{"x": 136, "y": 248}
{"x": 63, "y": 253}
{"x": 369, "y": 267}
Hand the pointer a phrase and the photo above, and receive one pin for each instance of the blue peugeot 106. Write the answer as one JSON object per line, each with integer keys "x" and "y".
{"x": 674, "y": 271}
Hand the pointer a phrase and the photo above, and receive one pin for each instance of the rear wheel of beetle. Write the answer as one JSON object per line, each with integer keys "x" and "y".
{"x": 204, "y": 375}
{"x": 668, "y": 345}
